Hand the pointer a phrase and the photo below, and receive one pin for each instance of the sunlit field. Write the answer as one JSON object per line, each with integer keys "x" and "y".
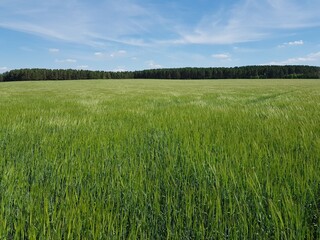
{"x": 156, "y": 159}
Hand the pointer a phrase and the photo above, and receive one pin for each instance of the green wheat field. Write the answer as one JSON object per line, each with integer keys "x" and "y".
{"x": 157, "y": 159}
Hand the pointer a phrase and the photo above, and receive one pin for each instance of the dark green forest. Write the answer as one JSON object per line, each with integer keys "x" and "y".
{"x": 246, "y": 72}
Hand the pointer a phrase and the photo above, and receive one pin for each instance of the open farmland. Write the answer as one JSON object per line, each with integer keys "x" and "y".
{"x": 155, "y": 159}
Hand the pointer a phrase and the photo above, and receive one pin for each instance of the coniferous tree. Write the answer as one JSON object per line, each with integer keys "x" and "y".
{"x": 246, "y": 72}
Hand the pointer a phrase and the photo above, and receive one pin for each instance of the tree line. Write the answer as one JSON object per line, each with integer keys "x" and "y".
{"x": 246, "y": 72}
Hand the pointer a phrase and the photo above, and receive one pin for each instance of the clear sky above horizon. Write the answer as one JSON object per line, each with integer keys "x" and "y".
{"x": 117, "y": 35}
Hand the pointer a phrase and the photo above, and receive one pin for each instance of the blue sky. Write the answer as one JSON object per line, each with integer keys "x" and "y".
{"x": 142, "y": 34}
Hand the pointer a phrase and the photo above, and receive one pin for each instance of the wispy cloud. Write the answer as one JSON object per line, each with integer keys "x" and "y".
{"x": 54, "y": 50}
{"x": 98, "y": 54}
{"x": 106, "y": 55}
{"x": 290, "y": 44}
{"x": 78, "y": 21}
{"x": 152, "y": 64}
{"x": 68, "y": 60}
{"x": 119, "y": 69}
{"x": 136, "y": 23}
{"x": 251, "y": 20}
{"x": 295, "y": 43}
{"x": 312, "y": 58}
{"x": 26, "y": 49}
{"x": 222, "y": 56}
{"x": 83, "y": 67}
{"x": 119, "y": 53}
{"x": 3, "y": 69}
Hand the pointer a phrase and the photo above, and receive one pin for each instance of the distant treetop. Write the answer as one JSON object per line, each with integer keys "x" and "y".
{"x": 246, "y": 72}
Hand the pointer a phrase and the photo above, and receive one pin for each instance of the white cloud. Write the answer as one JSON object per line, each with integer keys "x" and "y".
{"x": 295, "y": 43}
{"x": 54, "y": 50}
{"x": 290, "y": 44}
{"x": 3, "y": 69}
{"x": 119, "y": 69}
{"x": 252, "y": 20}
{"x": 222, "y": 56}
{"x": 119, "y": 53}
{"x": 137, "y": 23}
{"x": 104, "y": 55}
{"x": 79, "y": 21}
{"x": 311, "y": 58}
{"x": 152, "y": 64}
{"x": 83, "y": 67}
{"x": 122, "y": 52}
{"x": 26, "y": 49}
{"x": 68, "y": 60}
{"x": 98, "y": 54}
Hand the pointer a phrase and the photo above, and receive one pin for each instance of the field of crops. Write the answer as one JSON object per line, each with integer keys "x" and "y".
{"x": 155, "y": 159}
